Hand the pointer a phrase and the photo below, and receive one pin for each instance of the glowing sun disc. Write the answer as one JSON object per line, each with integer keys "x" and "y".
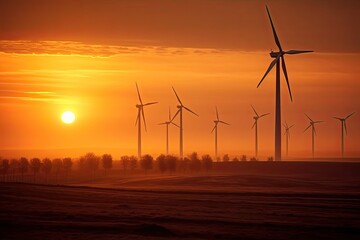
{"x": 68, "y": 117}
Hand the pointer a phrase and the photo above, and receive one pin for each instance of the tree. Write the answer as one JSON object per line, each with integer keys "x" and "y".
{"x": 171, "y": 162}
{"x": 107, "y": 162}
{"x": 271, "y": 159}
{"x": 226, "y": 158}
{"x": 235, "y": 159}
{"x": 57, "y": 165}
{"x": 125, "y": 161}
{"x": 92, "y": 163}
{"x": 23, "y": 166}
{"x": 161, "y": 163}
{"x": 243, "y": 158}
{"x": 35, "y": 165}
{"x": 67, "y": 164}
{"x": 14, "y": 167}
{"x": 195, "y": 163}
{"x": 147, "y": 162}
{"x": 207, "y": 162}
{"x": 133, "y": 163}
{"x": 46, "y": 167}
{"x": 4, "y": 167}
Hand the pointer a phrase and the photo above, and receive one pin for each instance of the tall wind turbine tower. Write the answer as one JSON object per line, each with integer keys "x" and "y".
{"x": 180, "y": 112}
{"x": 279, "y": 55}
{"x": 217, "y": 121}
{"x": 140, "y": 115}
{"x": 256, "y": 118}
{"x": 167, "y": 123}
{"x": 287, "y": 135}
{"x": 313, "y": 133}
{"x": 343, "y": 127}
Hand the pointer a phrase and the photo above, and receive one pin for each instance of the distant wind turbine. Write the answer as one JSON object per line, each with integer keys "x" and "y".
{"x": 343, "y": 126}
{"x": 180, "y": 107}
{"x": 276, "y": 61}
{"x": 167, "y": 123}
{"x": 256, "y": 118}
{"x": 140, "y": 115}
{"x": 313, "y": 132}
{"x": 287, "y": 133}
{"x": 217, "y": 121}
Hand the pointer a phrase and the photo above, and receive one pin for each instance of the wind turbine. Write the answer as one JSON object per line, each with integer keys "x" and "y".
{"x": 313, "y": 132}
{"x": 167, "y": 123}
{"x": 279, "y": 55}
{"x": 256, "y": 118}
{"x": 180, "y": 107}
{"x": 217, "y": 121}
{"x": 343, "y": 126}
{"x": 140, "y": 115}
{"x": 287, "y": 133}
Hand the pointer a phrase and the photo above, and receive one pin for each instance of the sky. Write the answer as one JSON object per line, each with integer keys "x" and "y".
{"x": 85, "y": 56}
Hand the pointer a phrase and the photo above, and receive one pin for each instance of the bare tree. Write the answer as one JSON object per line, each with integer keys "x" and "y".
{"x": 133, "y": 163}
{"x": 4, "y": 167}
{"x": 67, "y": 164}
{"x": 226, "y": 158}
{"x": 23, "y": 166}
{"x": 207, "y": 162}
{"x": 171, "y": 162}
{"x": 161, "y": 163}
{"x": 107, "y": 162}
{"x": 57, "y": 166}
{"x": 147, "y": 162}
{"x": 195, "y": 163}
{"x": 14, "y": 168}
{"x": 125, "y": 161}
{"x": 92, "y": 163}
{"x": 46, "y": 167}
{"x": 35, "y": 165}
{"x": 243, "y": 158}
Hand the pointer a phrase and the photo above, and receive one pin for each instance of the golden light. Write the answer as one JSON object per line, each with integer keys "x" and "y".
{"x": 68, "y": 117}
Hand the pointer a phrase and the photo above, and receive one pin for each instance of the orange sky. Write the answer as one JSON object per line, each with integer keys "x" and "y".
{"x": 55, "y": 57}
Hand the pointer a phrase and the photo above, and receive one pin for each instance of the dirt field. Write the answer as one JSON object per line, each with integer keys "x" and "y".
{"x": 251, "y": 205}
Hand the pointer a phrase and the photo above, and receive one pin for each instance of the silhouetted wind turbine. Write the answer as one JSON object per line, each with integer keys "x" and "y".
{"x": 167, "y": 123}
{"x": 140, "y": 114}
{"x": 312, "y": 125}
{"x": 287, "y": 133}
{"x": 343, "y": 126}
{"x": 276, "y": 61}
{"x": 216, "y": 121}
{"x": 256, "y": 118}
{"x": 180, "y": 107}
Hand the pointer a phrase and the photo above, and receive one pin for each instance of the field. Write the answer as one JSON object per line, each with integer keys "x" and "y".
{"x": 298, "y": 200}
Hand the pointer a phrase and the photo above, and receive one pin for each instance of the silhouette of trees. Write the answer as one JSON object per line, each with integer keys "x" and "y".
{"x": 23, "y": 167}
{"x": 253, "y": 159}
{"x": 35, "y": 165}
{"x": 147, "y": 162}
{"x": 207, "y": 162}
{"x": 14, "y": 168}
{"x": 171, "y": 162}
{"x": 226, "y": 158}
{"x": 57, "y": 166}
{"x": 67, "y": 164}
{"x": 107, "y": 162}
{"x": 243, "y": 158}
{"x": 195, "y": 163}
{"x": 46, "y": 167}
{"x": 235, "y": 159}
{"x": 90, "y": 162}
{"x": 125, "y": 162}
{"x": 4, "y": 167}
{"x": 161, "y": 163}
{"x": 270, "y": 159}
{"x": 133, "y": 163}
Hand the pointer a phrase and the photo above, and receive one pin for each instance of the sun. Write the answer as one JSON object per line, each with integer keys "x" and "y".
{"x": 68, "y": 117}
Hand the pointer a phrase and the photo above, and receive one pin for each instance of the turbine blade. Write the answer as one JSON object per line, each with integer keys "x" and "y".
{"x": 224, "y": 122}
{"x": 338, "y": 118}
{"x": 264, "y": 115}
{"x": 286, "y": 76}
{"x": 169, "y": 115}
{"x": 143, "y": 115}
{"x": 217, "y": 114}
{"x": 175, "y": 124}
{"x": 213, "y": 129}
{"x": 345, "y": 127}
{"x": 137, "y": 118}
{"x": 272, "y": 64}
{"x": 254, "y": 110}
{"x": 350, "y": 115}
{"x": 308, "y": 117}
{"x": 151, "y": 103}
{"x": 291, "y": 126}
{"x": 273, "y": 29}
{"x": 253, "y": 125}
{"x": 137, "y": 88}
{"x": 177, "y": 96}
{"x": 298, "y": 51}
{"x": 318, "y": 121}
{"x": 190, "y": 110}
{"x": 175, "y": 115}
{"x": 307, "y": 128}
{"x": 162, "y": 123}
